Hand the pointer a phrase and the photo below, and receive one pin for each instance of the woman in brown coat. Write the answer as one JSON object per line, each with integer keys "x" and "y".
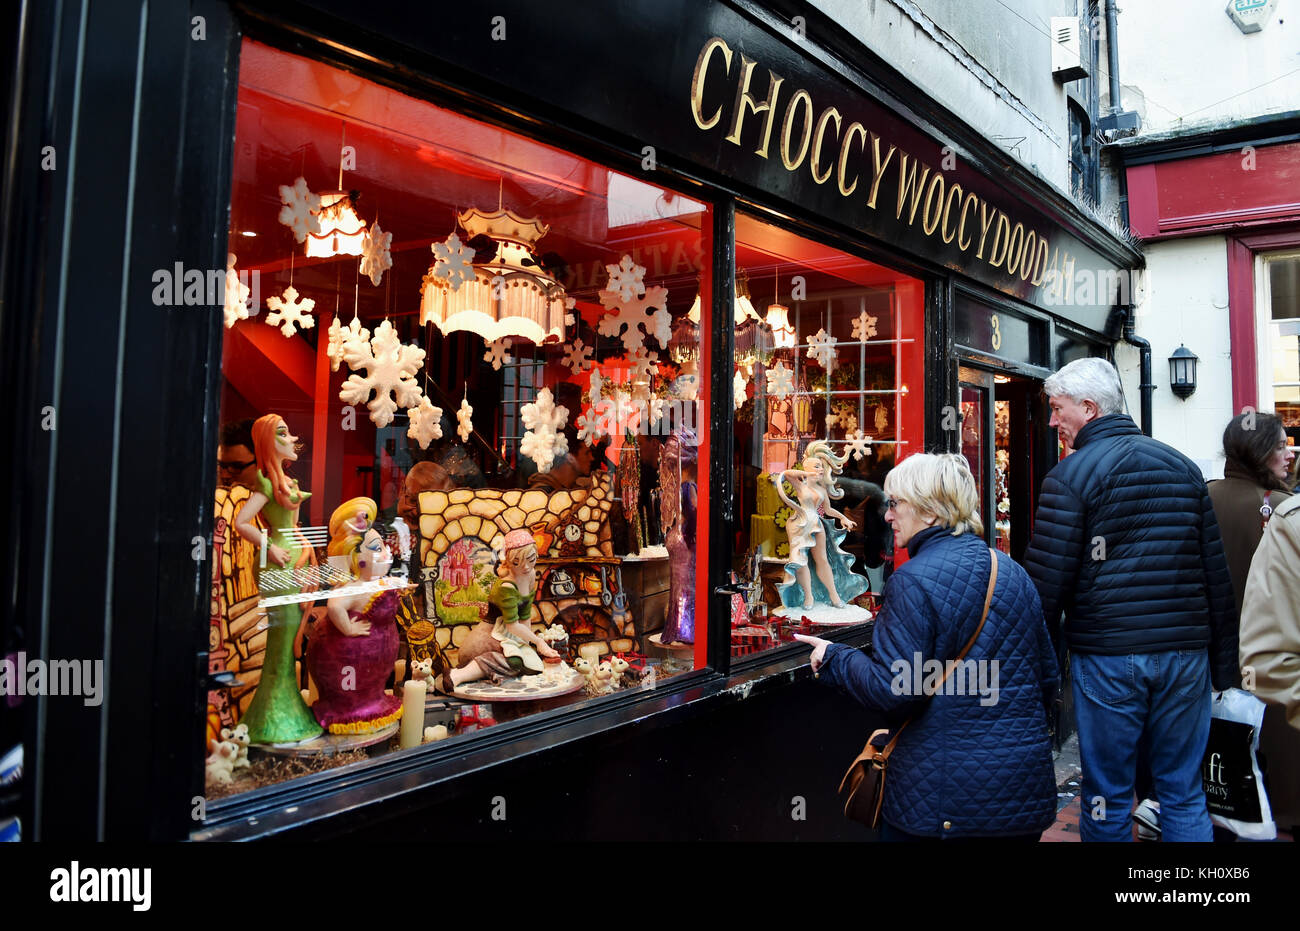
{"x": 1256, "y": 479}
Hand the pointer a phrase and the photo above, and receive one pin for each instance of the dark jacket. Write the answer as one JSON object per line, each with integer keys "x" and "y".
{"x": 1126, "y": 544}
{"x": 1237, "y": 498}
{"x": 980, "y": 758}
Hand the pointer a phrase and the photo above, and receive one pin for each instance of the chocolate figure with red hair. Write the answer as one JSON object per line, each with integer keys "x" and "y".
{"x": 277, "y": 713}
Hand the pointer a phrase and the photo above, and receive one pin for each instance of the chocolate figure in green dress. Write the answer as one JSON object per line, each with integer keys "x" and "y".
{"x": 277, "y": 714}
{"x": 505, "y": 645}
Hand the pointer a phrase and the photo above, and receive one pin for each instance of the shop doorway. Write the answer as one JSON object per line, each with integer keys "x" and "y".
{"x": 1003, "y": 419}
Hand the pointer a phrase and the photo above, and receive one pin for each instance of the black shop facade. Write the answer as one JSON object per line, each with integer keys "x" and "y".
{"x": 487, "y": 279}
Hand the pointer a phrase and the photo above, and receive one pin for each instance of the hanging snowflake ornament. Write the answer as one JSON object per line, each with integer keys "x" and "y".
{"x": 648, "y": 313}
{"x": 465, "y": 426}
{"x": 390, "y": 373}
{"x": 376, "y": 255}
{"x": 821, "y": 348}
{"x": 857, "y": 444}
{"x": 455, "y": 261}
{"x": 644, "y": 365}
{"x": 626, "y": 278}
{"x": 847, "y": 420}
{"x": 340, "y": 337}
{"x": 864, "y": 326}
{"x": 738, "y": 389}
{"x": 238, "y": 304}
{"x": 288, "y": 310}
{"x": 577, "y": 357}
{"x": 570, "y": 317}
{"x": 544, "y": 420}
{"x": 300, "y": 210}
{"x": 780, "y": 381}
{"x": 595, "y": 385}
{"x": 592, "y": 426}
{"x": 497, "y": 355}
{"x": 426, "y": 422}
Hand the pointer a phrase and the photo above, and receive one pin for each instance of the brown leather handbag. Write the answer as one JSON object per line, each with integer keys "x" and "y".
{"x": 865, "y": 779}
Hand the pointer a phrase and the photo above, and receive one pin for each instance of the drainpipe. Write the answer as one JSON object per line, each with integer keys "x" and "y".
{"x": 1145, "y": 388}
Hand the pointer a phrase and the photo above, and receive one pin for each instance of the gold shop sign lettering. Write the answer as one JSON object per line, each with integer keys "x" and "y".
{"x": 831, "y": 147}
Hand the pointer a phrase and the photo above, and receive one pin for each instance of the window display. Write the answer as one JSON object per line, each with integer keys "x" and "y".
{"x": 460, "y": 451}
{"x": 829, "y": 389}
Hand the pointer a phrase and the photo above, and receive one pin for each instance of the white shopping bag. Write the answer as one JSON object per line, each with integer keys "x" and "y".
{"x": 1234, "y": 788}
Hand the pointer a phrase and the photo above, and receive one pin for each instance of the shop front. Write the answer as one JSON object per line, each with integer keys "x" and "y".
{"x": 460, "y": 401}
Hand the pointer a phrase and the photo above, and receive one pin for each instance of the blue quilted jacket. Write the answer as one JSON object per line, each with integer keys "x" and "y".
{"x": 976, "y": 760}
{"x": 1127, "y": 545}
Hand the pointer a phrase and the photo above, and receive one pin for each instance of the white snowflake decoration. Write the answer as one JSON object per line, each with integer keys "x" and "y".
{"x": 595, "y": 385}
{"x": 780, "y": 381}
{"x": 544, "y": 420}
{"x": 390, "y": 372}
{"x": 455, "y": 261}
{"x": 625, "y": 278}
{"x": 577, "y": 357}
{"x": 570, "y": 317}
{"x": 288, "y": 310}
{"x": 821, "y": 347}
{"x": 593, "y": 425}
{"x": 426, "y": 423}
{"x": 300, "y": 209}
{"x": 648, "y": 313}
{"x": 857, "y": 444}
{"x": 465, "y": 426}
{"x": 340, "y": 337}
{"x": 238, "y": 304}
{"x": 376, "y": 257}
{"x": 497, "y": 355}
{"x": 864, "y": 327}
{"x": 644, "y": 365}
{"x": 738, "y": 386}
{"x": 849, "y": 421}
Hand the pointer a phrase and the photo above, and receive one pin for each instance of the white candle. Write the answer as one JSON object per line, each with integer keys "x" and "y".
{"x": 412, "y": 714}
{"x": 399, "y": 671}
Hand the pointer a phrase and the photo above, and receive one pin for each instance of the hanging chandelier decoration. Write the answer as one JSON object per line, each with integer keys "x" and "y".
{"x": 342, "y": 232}
{"x": 511, "y": 291}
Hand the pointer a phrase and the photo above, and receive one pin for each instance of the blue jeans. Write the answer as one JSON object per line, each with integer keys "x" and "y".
{"x": 1160, "y": 701}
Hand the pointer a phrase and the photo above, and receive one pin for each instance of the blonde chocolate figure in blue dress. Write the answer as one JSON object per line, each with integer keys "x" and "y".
{"x": 814, "y": 539}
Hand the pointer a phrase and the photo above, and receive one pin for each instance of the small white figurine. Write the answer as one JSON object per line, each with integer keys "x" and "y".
{"x": 436, "y": 733}
{"x": 618, "y": 666}
{"x": 604, "y": 679}
{"x": 422, "y": 671}
{"x": 220, "y": 766}
{"x": 239, "y": 737}
{"x": 583, "y": 667}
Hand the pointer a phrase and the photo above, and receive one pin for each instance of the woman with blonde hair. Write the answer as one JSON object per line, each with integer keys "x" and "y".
{"x": 352, "y": 650}
{"x": 505, "y": 644}
{"x": 973, "y": 756}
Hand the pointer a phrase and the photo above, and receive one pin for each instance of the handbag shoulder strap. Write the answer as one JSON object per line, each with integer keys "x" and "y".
{"x": 949, "y": 667}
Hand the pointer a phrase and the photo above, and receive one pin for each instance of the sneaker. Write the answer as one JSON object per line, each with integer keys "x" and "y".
{"x": 1147, "y": 816}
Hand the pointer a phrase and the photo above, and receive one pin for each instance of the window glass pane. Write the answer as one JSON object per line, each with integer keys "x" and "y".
{"x": 829, "y": 373}
{"x": 455, "y": 447}
{"x": 1284, "y": 336}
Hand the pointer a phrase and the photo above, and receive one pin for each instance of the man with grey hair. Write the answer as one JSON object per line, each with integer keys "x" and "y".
{"x": 1126, "y": 545}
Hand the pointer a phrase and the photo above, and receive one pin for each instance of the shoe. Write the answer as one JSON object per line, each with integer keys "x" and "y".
{"x": 1147, "y": 816}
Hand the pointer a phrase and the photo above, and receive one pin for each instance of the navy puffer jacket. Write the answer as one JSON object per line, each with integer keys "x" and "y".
{"x": 975, "y": 761}
{"x": 1127, "y": 545}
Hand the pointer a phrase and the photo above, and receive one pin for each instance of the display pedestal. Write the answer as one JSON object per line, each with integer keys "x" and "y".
{"x": 329, "y": 744}
{"x": 827, "y": 615}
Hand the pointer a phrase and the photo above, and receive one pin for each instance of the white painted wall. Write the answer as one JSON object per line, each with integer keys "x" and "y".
{"x": 1185, "y": 301}
{"x": 990, "y": 62}
{"x": 1183, "y": 63}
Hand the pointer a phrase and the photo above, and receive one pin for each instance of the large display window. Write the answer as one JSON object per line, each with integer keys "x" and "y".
{"x": 461, "y": 428}
{"x": 829, "y": 384}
